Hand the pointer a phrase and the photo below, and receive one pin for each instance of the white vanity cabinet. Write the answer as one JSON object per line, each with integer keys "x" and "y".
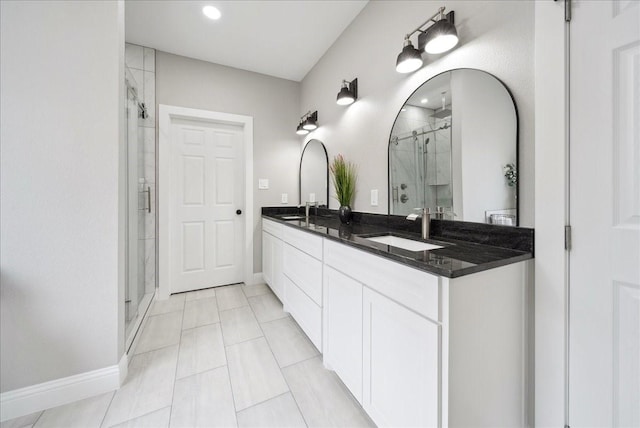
{"x": 272, "y": 256}
{"x": 383, "y": 346}
{"x": 414, "y": 348}
{"x": 400, "y": 364}
{"x": 342, "y": 351}
{"x": 302, "y": 275}
{"x": 417, "y": 349}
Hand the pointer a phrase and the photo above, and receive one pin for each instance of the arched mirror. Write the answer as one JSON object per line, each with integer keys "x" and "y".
{"x": 454, "y": 146}
{"x": 314, "y": 173}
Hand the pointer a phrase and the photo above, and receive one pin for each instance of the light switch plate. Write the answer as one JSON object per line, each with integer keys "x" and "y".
{"x": 374, "y": 197}
{"x": 285, "y": 198}
{"x": 263, "y": 183}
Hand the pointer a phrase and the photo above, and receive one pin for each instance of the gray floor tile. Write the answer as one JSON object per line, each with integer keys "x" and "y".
{"x": 201, "y": 294}
{"x": 279, "y": 412}
{"x": 230, "y": 297}
{"x": 256, "y": 289}
{"x": 22, "y": 421}
{"x": 322, "y": 398}
{"x": 85, "y": 413}
{"x": 267, "y": 307}
{"x": 159, "y": 332}
{"x": 157, "y": 419}
{"x": 172, "y": 304}
{"x": 255, "y": 375}
{"x": 239, "y": 325}
{"x": 201, "y": 349}
{"x": 149, "y": 386}
{"x": 200, "y": 312}
{"x": 204, "y": 400}
{"x": 287, "y": 341}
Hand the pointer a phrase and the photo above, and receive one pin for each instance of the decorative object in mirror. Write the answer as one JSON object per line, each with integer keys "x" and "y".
{"x": 344, "y": 175}
{"x": 348, "y": 93}
{"x": 314, "y": 173}
{"x": 454, "y": 149}
{"x": 440, "y": 37}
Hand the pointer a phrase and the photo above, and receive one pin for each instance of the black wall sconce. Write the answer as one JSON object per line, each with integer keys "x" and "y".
{"x": 308, "y": 122}
{"x": 348, "y": 93}
{"x": 440, "y": 37}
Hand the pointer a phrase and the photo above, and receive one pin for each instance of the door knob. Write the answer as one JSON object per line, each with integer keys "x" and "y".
{"x": 238, "y": 212}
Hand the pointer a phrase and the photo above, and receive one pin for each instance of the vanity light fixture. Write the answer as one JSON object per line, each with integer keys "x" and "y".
{"x": 348, "y": 93}
{"x": 308, "y": 122}
{"x": 311, "y": 122}
{"x": 300, "y": 130}
{"x": 440, "y": 37}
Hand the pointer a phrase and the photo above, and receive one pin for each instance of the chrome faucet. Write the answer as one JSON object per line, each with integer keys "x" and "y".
{"x": 306, "y": 209}
{"x": 425, "y": 215}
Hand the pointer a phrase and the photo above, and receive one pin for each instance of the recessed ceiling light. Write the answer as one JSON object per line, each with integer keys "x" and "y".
{"x": 403, "y": 109}
{"x": 424, "y": 100}
{"x": 211, "y": 12}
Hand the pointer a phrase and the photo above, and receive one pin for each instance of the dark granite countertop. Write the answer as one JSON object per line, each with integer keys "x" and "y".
{"x": 459, "y": 257}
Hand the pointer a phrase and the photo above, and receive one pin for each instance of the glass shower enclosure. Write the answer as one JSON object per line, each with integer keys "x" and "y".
{"x": 138, "y": 292}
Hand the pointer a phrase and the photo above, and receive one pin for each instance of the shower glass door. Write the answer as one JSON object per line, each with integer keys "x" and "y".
{"x": 138, "y": 294}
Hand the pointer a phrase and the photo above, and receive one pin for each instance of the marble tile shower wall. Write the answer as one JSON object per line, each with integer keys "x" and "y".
{"x": 141, "y": 61}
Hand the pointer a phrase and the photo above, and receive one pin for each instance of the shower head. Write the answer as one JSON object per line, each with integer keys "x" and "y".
{"x": 441, "y": 114}
{"x": 445, "y": 112}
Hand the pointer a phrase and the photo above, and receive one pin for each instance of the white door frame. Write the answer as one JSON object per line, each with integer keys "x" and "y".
{"x": 165, "y": 115}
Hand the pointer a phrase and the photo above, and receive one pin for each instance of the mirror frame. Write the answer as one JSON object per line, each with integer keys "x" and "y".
{"x": 324, "y": 148}
{"x": 515, "y": 108}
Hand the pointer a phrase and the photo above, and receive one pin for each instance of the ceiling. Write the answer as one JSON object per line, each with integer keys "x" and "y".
{"x": 432, "y": 91}
{"x": 278, "y": 38}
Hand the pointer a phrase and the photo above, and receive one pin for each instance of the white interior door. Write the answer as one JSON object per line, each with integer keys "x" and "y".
{"x": 206, "y": 202}
{"x": 604, "y": 320}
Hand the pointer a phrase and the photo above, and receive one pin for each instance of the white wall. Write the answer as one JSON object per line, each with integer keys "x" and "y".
{"x": 483, "y": 111}
{"x": 61, "y": 106}
{"x": 550, "y": 214}
{"x": 495, "y": 36}
{"x": 272, "y": 102}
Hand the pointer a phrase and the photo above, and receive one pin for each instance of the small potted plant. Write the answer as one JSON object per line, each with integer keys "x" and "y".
{"x": 343, "y": 175}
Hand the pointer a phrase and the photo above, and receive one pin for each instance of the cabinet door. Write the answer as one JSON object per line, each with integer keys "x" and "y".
{"x": 400, "y": 359}
{"x": 343, "y": 329}
{"x": 277, "y": 283}
{"x": 267, "y": 258}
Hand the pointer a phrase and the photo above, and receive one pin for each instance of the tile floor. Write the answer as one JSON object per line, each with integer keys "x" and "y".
{"x": 222, "y": 357}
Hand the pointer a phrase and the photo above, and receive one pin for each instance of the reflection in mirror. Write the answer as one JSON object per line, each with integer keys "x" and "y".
{"x": 314, "y": 173}
{"x": 451, "y": 147}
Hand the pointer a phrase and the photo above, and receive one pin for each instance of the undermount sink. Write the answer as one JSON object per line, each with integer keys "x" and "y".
{"x": 292, "y": 217}
{"x": 404, "y": 243}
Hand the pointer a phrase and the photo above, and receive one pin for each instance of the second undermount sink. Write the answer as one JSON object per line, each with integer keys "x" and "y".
{"x": 404, "y": 243}
{"x": 292, "y": 217}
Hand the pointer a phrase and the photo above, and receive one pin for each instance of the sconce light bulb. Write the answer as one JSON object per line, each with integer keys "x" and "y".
{"x": 409, "y": 59}
{"x": 441, "y": 37}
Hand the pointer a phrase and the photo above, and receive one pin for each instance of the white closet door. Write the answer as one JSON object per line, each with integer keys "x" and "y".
{"x": 604, "y": 342}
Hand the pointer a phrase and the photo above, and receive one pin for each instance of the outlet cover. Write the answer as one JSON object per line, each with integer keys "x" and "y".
{"x": 374, "y": 197}
{"x": 312, "y": 197}
{"x": 285, "y": 198}
{"x": 263, "y": 183}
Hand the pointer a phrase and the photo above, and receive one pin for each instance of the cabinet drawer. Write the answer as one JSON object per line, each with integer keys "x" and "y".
{"x": 411, "y": 287}
{"x": 304, "y": 271}
{"x": 272, "y": 227}
{"x": 304, "y": 241}
{"x": 306, "y": 313}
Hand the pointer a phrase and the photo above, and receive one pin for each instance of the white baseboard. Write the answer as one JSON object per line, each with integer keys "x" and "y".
{"x": 258, "y": 278}
{"x": 24, "y": 401}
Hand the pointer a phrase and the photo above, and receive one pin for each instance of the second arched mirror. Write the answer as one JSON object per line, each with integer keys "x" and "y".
{"x": 454, "y": 147}
{"x": 314, "y": 173}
